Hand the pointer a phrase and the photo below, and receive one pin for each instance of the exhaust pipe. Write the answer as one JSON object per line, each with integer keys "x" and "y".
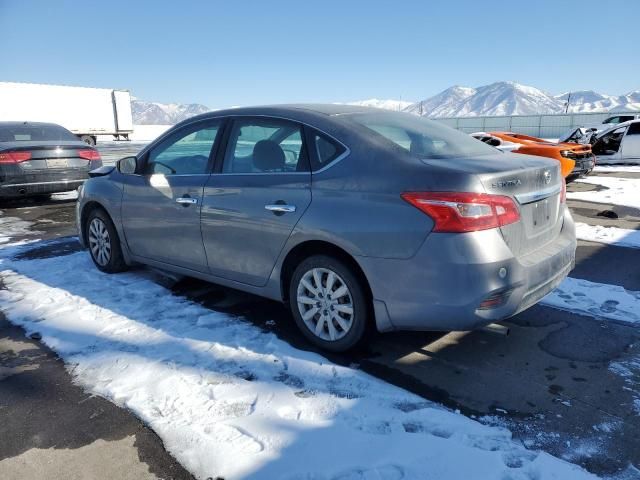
{"x": 496, "y": 329}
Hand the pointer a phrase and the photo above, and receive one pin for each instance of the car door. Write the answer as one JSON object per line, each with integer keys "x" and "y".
{"x": 261, "y": 188}
{"x": 630, "y": 148}
{"x": 161, "y": 205}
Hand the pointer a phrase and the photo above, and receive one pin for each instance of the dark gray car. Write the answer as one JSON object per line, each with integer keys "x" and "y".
{"x": 41, "y": 159}
{"x": 354, "y": 217}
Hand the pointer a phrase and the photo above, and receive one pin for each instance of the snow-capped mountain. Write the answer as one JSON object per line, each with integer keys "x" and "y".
{"x": 510, "y": 98}
{"x": 384, "y": 104}
{"x": 153, "y": 113}
{"x": 590, "y": 101}
{"x": 500, "y": 98}
{"x": 441, "y": 104}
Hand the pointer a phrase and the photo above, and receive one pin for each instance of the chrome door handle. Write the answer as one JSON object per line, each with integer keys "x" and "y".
{"x": 280, "y": 208}
{"x": 186, "y": 201}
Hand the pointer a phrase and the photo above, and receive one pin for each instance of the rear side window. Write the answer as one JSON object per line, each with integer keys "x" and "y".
{"x": 326, "y": 150}
{"x": 35, "y": 133}
{"x": 265, "y": 146}
{"x": 634, "y": 129}
{"x": 420, "y": 137}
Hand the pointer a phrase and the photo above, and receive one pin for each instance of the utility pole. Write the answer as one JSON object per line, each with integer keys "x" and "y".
{"x": 567, "y": 103}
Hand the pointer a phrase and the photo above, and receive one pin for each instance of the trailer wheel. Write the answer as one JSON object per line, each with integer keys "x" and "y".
{"x": 89, "y": 140}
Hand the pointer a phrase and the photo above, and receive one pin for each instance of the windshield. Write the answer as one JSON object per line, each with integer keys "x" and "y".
{"x": 421, "y": 137}
{"x": 37, "y": 133}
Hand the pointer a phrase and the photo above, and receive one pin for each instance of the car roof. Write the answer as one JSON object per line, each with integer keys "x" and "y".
{"x": 323, "y": 108}
{"x": 300, "y": 111}
{"x": 22, "y": 124}
{"x": 618, "y": 125}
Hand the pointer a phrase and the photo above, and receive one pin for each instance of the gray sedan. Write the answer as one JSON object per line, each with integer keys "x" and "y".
{"x": 356, "y": 218}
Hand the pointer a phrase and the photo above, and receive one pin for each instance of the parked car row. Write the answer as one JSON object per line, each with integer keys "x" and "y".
{"x": 575, "y": 159}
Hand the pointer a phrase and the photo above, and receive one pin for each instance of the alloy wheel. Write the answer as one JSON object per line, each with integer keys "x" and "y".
{"x": 325, "y": 304}
{"x": 99, "y": 242}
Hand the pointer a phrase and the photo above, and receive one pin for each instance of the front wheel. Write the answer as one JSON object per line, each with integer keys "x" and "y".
{"x": 104, "y": 244}
{"x": 329, "y": 303}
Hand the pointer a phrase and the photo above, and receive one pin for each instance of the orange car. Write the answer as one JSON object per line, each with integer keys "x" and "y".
{"x": 575, "y": 159}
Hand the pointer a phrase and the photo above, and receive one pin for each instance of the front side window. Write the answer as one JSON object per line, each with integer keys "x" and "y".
{"x": 265, "y": 146}
{"x": 186, "y": 152}
{"x": 609, "y": 143}
{"x": 421, "y": 137}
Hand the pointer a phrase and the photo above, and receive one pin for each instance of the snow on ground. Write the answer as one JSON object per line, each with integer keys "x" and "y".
{"x": 630, "y": 371}
{"x": 621, "y": 237}
{"x": 599, "y": 300}
{"x": 229, "y": 399}
{"x": 619, "y": 191}
{"x": 70, "y": 195}
{"x": 616, "y": 168}
{"x": 11, "y": 227}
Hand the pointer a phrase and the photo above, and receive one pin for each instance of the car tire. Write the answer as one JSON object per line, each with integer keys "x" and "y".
{"x": 335, "y": 323}
{"x": 104, "y": 243}
{"x": 89, "y": 140}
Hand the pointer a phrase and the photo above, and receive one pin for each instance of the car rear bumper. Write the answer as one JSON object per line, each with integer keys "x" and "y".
{"x": 583, "y": 166}
{"x": 38, "y": 188}
{"x": 443, "y": 286}
{"x": 40, "y": 183}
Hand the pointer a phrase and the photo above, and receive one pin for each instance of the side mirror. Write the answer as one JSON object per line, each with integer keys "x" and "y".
{"x": 128, "y": 165}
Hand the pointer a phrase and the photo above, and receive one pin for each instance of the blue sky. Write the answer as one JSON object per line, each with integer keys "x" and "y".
{"x": 224, "y": 53}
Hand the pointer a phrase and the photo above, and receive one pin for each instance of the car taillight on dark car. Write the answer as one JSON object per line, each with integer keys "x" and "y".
{"x": 14, "y": 157}
{"x": 457, "y": 212}
{"x": 89, "y": 154}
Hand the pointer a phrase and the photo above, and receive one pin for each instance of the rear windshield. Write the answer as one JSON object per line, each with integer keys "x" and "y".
{"x": 421, "y": 137}
{"x": 34, "y": 133}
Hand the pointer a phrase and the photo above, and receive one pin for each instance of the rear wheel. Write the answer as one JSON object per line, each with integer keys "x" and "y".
{"x": 88, "y": 139}
{"x": 329, "y": 303}
{"x": 104, "y": 244}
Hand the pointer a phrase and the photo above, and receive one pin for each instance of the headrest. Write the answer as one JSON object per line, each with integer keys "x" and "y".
{"x": 268, "y": 156}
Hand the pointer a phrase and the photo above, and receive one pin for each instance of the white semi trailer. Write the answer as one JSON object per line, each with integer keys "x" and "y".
{"x": 87, "y": 112}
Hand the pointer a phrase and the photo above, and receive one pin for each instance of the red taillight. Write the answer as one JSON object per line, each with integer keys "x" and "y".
{"x": 89, "y": 154}
{"x": 464, "y": 211}
{"x": 563, "y": 191}
{"x": 14, "y": 157}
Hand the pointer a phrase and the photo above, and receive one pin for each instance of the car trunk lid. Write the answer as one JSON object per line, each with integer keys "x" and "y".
{"x": 535, "y": 185}
{"x": 45, "y": 156}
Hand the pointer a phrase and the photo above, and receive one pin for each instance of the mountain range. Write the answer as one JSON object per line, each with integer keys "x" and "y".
{"x": 510, "y": 98}
{"x": 499, "y": 98}
{"x": 154, "y": 113}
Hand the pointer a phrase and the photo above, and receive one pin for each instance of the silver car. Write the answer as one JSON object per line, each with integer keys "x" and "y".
{"x": 356, "y": 218}
{"x": 618, "y": 144}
